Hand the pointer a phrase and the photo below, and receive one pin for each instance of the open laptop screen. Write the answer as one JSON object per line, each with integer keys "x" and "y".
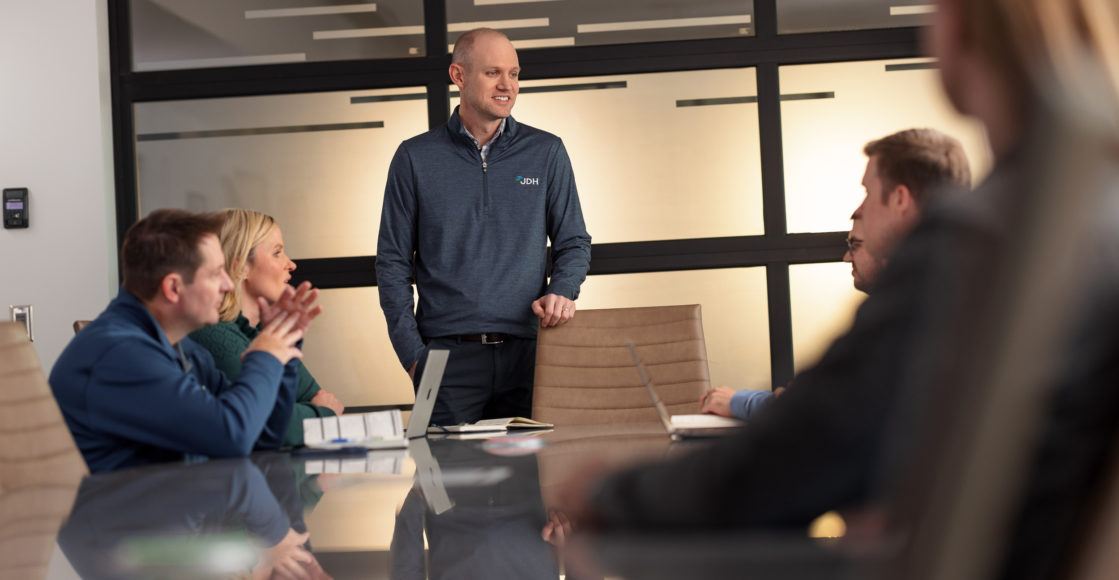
{"x": 666, "y": 418}
{"x": 427, "y": 392}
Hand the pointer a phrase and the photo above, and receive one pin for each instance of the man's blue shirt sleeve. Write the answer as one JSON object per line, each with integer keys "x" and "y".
{"x": 746, "y": 402}
{"x": 272, "y": 436}
{"x": 275, "y": 428}
{"x": 137, "y": 393}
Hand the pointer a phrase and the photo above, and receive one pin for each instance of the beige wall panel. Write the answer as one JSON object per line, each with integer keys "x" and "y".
{"x": 823, "y": 306}
{"x": 823, "y": 138}
{"x": 349, "y": 353}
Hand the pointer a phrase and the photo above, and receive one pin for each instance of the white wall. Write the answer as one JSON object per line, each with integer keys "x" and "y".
{"x": 56, "y": 140}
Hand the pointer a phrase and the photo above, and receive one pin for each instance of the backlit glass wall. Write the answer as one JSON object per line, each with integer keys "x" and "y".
{"x": 716, "y": 155}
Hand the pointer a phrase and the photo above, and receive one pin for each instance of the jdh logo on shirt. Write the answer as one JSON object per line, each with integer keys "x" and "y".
{"x": 528, "y": 180}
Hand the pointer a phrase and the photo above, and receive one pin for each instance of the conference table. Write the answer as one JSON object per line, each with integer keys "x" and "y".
{"x": 444, "y": 507}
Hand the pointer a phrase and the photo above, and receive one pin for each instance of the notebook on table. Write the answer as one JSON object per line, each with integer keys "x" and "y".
{"x": 372, "y": 430}
{"x": 428, "y": 391}
{"x": 491, "y": 426}
{"x": 679, "y": 426}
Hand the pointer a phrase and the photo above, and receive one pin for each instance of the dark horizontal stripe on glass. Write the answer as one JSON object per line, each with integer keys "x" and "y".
{"x": 715, "y": 101}
{"x": 571, "y": 87}
{"x": 388, "y": 98}
{"x": 741, "y": 100}
{"x": 911, "y": 66}
{"x": 455, "y": 94}
{"x": 808, "y": 96}
{"x": 258, "y": 131}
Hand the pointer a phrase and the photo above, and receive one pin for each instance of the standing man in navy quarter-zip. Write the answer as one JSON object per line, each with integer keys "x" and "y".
{"x": 469, "y": 208}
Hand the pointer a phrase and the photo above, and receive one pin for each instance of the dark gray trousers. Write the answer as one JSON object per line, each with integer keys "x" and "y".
{"x": 483, "y": 381}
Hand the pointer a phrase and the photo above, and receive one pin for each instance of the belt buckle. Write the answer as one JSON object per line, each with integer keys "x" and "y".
{"x": 497, "y": 338}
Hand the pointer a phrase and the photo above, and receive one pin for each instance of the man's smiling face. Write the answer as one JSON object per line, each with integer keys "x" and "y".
{"x": 490, "y": 79}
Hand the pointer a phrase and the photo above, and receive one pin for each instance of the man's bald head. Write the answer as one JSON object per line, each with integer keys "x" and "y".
{"x": 464, "y": 46}
{"x": 486, "y": 71}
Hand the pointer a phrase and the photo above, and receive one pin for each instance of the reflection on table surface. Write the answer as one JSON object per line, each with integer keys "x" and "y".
{"x": 443, "y": 508}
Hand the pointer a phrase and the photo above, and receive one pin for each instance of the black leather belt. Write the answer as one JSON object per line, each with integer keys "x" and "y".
{"x": 484, "y": 338}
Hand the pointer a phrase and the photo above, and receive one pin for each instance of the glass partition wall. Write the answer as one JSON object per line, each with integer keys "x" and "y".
{"x": 716, "y": 146}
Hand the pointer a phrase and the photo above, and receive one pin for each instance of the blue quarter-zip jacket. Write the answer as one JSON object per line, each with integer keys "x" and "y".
{"x": 473, "y": 235}
{"x": 128, "y": 401}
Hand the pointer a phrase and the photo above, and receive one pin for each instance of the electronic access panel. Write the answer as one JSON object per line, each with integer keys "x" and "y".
{"x": 15, "y": 208}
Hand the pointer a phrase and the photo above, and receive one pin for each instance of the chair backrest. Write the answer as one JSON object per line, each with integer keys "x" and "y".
{"x": 40, "y": 466}
{"x": 584, "y": 373}
{"x": 80, "y": 324}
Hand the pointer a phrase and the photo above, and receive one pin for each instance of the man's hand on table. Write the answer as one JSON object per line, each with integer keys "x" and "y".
{"x": 717, "y": 401}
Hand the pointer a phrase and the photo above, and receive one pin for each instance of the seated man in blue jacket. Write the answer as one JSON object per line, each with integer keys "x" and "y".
{"x": 135, "y": 390}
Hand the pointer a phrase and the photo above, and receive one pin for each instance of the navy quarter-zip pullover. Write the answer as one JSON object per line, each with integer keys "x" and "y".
{"x": 472, "y": 234}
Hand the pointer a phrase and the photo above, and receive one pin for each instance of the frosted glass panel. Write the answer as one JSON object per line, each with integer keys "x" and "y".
{"x": 823, "y": 302}
{"x": 550, "y": 23}
{"x": 657, "y": 156}
{"x": 735, "y": 314}
{"x": 856, "y": 102}
{"x": 348, "y": 351}
{"x": 187, "y": 34}
{"x": 818, "y": 16}
{"x": 316, "y": 162}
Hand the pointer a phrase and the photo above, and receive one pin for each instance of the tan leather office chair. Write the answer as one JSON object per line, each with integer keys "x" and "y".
{"x": 40, "y": 466}
{"x": 80, "y": 324}
{"x": 584, "y": 373}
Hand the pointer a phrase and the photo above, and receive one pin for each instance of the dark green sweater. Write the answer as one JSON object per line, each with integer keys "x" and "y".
{"x": 227, "y": 340}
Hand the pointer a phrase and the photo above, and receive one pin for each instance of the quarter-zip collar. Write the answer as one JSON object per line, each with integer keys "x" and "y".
{"x": 501, "y": 141}
{"x": 485, "y": 149}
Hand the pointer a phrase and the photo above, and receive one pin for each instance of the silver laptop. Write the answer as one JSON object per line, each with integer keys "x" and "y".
{"x": 426, "y": 393}
{"x": 679, "y": 426}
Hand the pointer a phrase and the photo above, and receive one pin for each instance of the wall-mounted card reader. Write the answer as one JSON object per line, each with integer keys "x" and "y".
{"x": 15, "y": 207}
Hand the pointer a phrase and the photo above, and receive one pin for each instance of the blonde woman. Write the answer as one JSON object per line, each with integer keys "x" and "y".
{"x": 255, "y": 260}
